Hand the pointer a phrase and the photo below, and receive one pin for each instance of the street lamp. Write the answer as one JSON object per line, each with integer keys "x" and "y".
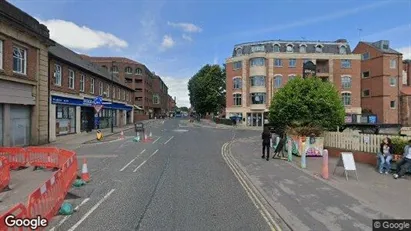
{"x": 112, "y": 87}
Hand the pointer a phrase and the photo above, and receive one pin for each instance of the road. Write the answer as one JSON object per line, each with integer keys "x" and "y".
{"x": 179, "y": 181}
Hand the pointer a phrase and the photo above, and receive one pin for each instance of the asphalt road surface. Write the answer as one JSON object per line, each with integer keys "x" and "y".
{"x": 178, "y": 181}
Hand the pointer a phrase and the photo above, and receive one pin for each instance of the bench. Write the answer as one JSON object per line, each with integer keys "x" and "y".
{"x": 394, "y": 161}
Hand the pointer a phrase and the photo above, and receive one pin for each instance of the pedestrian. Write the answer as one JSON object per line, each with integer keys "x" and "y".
{"x": 266, "y": 137}
{"x": 385, "y": 155}
{"x": 405, "y": 163}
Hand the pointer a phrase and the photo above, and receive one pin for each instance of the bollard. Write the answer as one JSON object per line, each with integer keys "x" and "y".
{"x": 303, "y": 156}
{"x": 290, "y": 150}
{"x": 325, "y": 164}
{"x": 99, "y": 135}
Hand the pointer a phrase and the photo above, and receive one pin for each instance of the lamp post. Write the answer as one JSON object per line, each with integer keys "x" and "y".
{"x": 112, "y": 87}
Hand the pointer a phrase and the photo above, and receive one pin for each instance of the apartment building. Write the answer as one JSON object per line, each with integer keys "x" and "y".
{"x": 257, "y": 70}
{"x": 406, "y": 72}
{"x": 74, "y": 84}
{"x": 23, "y": 78}
{"x": 171, "y": 103}
{"x": 381, "y": 80}
{"x": 135, "y": 75}
{"x": 160, "y": 96}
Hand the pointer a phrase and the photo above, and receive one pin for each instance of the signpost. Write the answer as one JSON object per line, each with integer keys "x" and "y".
{"x": 98, "y": 105}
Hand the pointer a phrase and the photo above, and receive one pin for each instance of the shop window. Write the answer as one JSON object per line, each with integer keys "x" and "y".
{"x": 65, "y": 119}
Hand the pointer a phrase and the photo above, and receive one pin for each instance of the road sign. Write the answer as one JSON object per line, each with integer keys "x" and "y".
{"x": 98, "y": 108}
{"x": 98, "y": 100}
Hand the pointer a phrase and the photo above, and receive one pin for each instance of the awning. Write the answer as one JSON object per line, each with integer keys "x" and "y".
{"x": 138, "y": 108}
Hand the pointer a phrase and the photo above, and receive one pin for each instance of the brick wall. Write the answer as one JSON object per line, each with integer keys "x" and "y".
{"x": 359, "y": 157}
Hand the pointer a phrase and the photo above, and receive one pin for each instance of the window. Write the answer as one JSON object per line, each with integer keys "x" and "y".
{"x": 1, "y": 54}
{"x": 276, "y": 48}
{"x": 82, "y": 82}
{"x": 346, "y": 82}
{"x": 118, "y": 93}
{"x": 291, "y": 77}
{"x": 278, "y": 63}
{"x": 257, "y": 62}
{"x": 346, "y": 63}
{"x": 237, "y": 99}
{"x": 292, "y": 62}
{"x": 290, "y": 48}
{"x": 108, "y": 91}
{"x": 393, "y": 63}
{"x": 366, "y": 93}
{"x": 257, "y": 81}
{"x": 237, "y": 83}
{"x": 238, "y": 51}
{"x": 258, "y": 98}
{"x": 346, "y": 98}
{"x": 128, "y": 70}
{"x": 303, "y": 48}
{"x": 100, "y": 92}
{"x": 124, "y": 95}
{"x": 139, "y": 71}
{"x": 114, "y": 92}
{"x": 257, "y": 48}
{"x": 114, "y": 69}
{"x": 393, "y": 81}
{"x": 278, "y": 81}
{"x": 92, "y": 85}
{"x": 366, "y": 74}
{"x": 343, "y": 50}
{"x": 365, "y": 56}
{"x": 237, "y": 65}
{"x": 319, "y": 49}
{"x": 71, "y": 79}
{"x": 57, "y": 75}
{"x": 19, "y": 60}
{"x": 392, "y": 104}
{"x": 156, "y": 99}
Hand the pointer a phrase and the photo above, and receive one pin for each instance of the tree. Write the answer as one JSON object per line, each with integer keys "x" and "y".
{"x": 207, "y": 89}
{"x": 184, "y": 109}
{"x": 309, "y": 103}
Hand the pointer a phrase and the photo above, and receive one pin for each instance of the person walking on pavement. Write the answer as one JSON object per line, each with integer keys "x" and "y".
{"x": 266, "y": 137}
{"x": 405, "y": 164}
{"x": 385, "y": 155}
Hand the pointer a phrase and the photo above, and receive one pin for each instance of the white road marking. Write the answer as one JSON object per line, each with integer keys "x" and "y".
{"x": 135, "y": 170}
{"x": 91, "y": 210}
{"x": 169, "y": 140}
{"x": 156, "y": 140}
{"x": 132, "y": 161}
{"x": 67, "y": 217}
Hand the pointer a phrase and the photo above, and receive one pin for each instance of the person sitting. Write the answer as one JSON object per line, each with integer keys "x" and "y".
{"x": 385, "y": 155}
{"x": 405, "y": 163}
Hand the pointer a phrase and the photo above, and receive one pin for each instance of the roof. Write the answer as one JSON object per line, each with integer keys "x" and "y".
{"x": 379, "y": 46}
{"x": 110, "y": 59}
{"x": 70, "y": 56}
{"x": 406, "y": 90}
{"x": 407, "y": 61}
{"x": 329, "y": 47}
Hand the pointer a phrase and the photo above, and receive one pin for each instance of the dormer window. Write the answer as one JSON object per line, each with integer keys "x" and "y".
{"x": 343, "y": 50}
{"x": 319, "y": 48}
{"x": 238, "y": 52}
{"x": 276, "y": 48}
{"x": 259, "y": 48}
{"x": 303, "y": 48}
{"x": 290, "y": 48}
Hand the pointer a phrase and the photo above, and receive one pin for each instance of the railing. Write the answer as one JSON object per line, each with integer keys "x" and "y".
{"x": 47, "y": 199}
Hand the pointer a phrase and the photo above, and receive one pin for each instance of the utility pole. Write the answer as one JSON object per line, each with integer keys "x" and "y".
{"x": 112, "y": 87}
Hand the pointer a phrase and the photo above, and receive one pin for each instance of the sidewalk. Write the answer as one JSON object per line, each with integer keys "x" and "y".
{"x": 74, "y": 141}
{"x": 306, "y": 202}
{"x": 210, "y": 123}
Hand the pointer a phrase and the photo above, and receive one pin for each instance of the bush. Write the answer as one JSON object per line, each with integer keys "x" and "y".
{"x": 399, "y": 145}
{"x": 223, "y": 121}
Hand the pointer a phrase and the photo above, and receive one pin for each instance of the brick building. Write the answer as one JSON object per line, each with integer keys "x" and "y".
{"x": 136, "y": 75}
{"x": 74, "y": 84}
{"x": 405, "y": 99}
{"x": 257, "y": 70}
{"x": 160, "y": 96}
{"x": 171, "y": 103}
{"x": 381, "y": 80}
{"x": 23, "y": 78}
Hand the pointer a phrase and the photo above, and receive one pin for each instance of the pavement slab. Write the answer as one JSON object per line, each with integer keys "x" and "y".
{"x": 303, "y": 201}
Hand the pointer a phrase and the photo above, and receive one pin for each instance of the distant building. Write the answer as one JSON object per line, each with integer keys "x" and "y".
{"x": 257, "y": 70}
{"x": 160, "y": 96}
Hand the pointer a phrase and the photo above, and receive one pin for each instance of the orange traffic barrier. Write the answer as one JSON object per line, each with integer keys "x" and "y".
{"x": 16, "y": 156}
{"x": 19, "y": 211}
{"x": 4, "y": 174}
{"x": 84, "y": 172}
{"x": 69, "y": 167}
{"x": 43, "y": 157}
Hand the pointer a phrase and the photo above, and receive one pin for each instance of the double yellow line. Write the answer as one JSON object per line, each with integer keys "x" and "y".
{"x": 248, "y": 187}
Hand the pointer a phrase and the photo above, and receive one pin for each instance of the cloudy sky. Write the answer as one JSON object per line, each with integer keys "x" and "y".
{"x": 175, "y": 38}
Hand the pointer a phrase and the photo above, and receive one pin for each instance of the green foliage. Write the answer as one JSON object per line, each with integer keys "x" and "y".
{"x": 310, "y": 103}
{"x": 207, "y": 89}
{"x": 184, "y": 109}
{"x": 399, "y": 145}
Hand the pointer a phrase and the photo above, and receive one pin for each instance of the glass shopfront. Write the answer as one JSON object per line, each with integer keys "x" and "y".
{"x": 65, "y": 119}
{"x": 105, "y": 118}
{"x": 255, "y": 119}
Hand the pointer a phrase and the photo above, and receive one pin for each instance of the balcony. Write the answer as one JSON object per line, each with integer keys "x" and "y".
{"x": 323, "y": 68}
{"x": 258, "y": 106}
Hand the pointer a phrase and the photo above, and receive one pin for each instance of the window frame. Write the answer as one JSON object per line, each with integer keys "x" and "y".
{"x": 318, "y": 48}
{"x": 101, "y": 89}
{"x": 264, "y": 94}
{"x": 342, "y": 98}
{"x": 363, "y": 55}
{"x": 82, "y": 82}
{"x": 235, "y": 79}
{"x": 303, "y": 50}
{"x": 276, "y": 48}
{"x": 365, "y": 77}
{"x": 139, "y": 71}
{"x": 108, "y": 91}
{"x": 58, "y": 76}
{"x": 252, "y": 84}
{"x": 364, "y": 95}
{"x": 114, "y": 69}
{"x": 344, "y": 49}
{"x": 235, "y": 66}
{"x": 71, "y": 78}
{"x": 24, "y": 71}
{"x": 344, "y": 84}
{"x": 1, "y": 54}
{"x": 275, "y": 85}
{"x": 252, "y": 64}
{"x": 395, "y": 81}
{"x": 288, "y": 46}
{"x": 236, "y": 98}
{"x": 281, "y": 63}
{"x": 92, "y": 85}
{"x": 395, "y": 104}
{"x": 128, "y": 72}
{"x": 345, "y": 61}
{"x": 295, "y": 63}
{"x": 395, "y": 63}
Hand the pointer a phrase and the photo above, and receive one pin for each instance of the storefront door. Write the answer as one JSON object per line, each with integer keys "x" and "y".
{"x": 20, "y": 125}
{"x": 255, "y": 119}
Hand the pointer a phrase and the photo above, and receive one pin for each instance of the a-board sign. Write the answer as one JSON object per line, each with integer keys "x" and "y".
{"x": 139, "y": 127}
{"x": 348, "y": 161}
